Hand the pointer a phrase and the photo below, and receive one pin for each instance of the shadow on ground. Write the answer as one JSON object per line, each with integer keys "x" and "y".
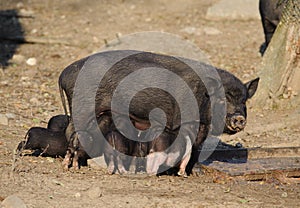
{"x": 11, "y": 35}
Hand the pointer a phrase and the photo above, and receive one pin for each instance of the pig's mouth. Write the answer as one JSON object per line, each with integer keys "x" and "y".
{"x": 234, "y": 124}
{"x": 230, "y": 130}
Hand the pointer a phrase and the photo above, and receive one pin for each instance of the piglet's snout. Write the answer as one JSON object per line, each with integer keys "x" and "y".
{"x": 238, "y": 122}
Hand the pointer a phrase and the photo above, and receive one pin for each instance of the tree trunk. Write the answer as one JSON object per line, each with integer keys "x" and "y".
{"x": 280, "y": 69}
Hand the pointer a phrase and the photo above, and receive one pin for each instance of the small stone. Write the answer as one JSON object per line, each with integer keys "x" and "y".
{"x": 234, "y": 9}
{"x": 13, "y": 201}
{"x": 10, "y": 116}
{"x": 3, "y": 120}
{"x": 285, "y": 96}
{"x": 190, "y": 30}
{"x": 24, "y": 78}
{"x": 161, "y": 42}
{"x": 4, "y": 83}
{"x": 148, "y": 19}
{"x": 33, "y": 31}
{"x": 246, "y": 75}
{"x": 77, "y": 195}
{"x": 94, "y": 192}
{"x": 26, "y": 12}
{"x": 31, "y": 61}
{"x": 18, "y": 59}
{"x": 284, "y": 195}
{"x": 34, "y": 101}
{"x": 20, "y": 5}
{"x": 211, "y": 31}
{"x": 95, "y": 39}
{"x": 50, "y": 159}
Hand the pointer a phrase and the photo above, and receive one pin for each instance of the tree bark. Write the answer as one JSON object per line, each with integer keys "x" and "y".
{"x": 280, "y": 69}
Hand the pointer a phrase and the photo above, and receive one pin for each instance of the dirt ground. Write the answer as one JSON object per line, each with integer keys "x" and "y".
{"x": 29, "y": 94}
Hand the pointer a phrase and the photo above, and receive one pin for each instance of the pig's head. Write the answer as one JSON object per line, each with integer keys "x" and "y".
{"x": 58, "y": 123}
{"x": 237, "y": 94}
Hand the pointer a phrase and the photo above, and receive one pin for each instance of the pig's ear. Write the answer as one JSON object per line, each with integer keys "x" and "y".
{"x": 252, "y": 87}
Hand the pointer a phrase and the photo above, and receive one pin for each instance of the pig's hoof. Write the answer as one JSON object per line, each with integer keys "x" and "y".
{"x": 122, "y": 171}
{"x": 182, "y": 173}
{"x": 67, "y": 160}
{"x": 151, "y": 173}
{"x": 65, "y": 167}
{"x": 110, "y": 170}
{"x": 66, "y": 163}
{"x": 75, "y": 165}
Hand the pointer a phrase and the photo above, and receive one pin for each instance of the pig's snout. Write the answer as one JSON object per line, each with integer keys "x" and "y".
{"x": 237, "y": 122}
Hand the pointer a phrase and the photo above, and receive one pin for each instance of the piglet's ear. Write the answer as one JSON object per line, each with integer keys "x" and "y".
{"x": 252, "y": 87}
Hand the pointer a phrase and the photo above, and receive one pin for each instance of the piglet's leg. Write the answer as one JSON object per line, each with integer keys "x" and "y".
{"x": 109, "y": 159}
{"x": 186, "y": 157}
{"x": 154, "y": 161}
{"x": 120, "y": 164}
{"x": 75, "y": 163}
{"x": 67, "y": 160}
{"x": 110, "y": 165}
{"x": 183, "y": 163}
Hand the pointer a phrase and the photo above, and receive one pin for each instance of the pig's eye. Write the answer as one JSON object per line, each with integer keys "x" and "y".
{"x": 230, "y": 94}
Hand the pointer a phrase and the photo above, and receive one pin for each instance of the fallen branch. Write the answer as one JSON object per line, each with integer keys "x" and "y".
{"x": 14, "y": 14}
{"x": 45, "y": 150}
{"x": 35, "y": 40}
{"x": 16, "y": 155}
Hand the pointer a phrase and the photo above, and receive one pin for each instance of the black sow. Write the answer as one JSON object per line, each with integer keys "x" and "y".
{"x": 206, "y": 86}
